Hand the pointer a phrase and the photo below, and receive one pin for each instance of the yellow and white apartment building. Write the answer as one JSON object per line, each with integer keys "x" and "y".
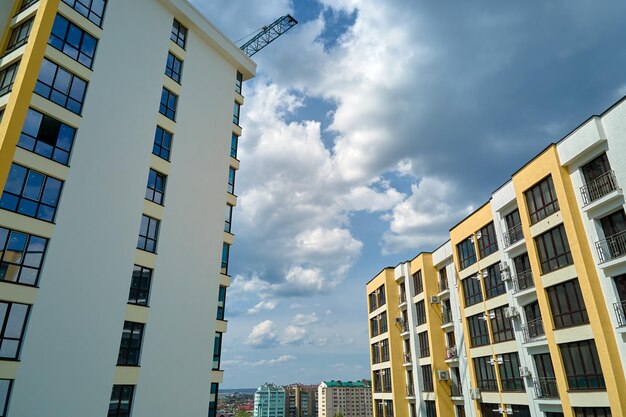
{"x": 118, "y": 153}
{"x": 523, "y": 311}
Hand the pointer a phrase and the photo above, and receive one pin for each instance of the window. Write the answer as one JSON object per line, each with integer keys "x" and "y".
{"x": 472, "y": 293}
{"x": 13, "y": 319}
{"x": 231, "y": 180}
{"x": 386, "y": 373}
{"x": 148, "y": 234}
{"x": 169, "y": 101}
{"x": 179, "y": 34}
{"x": 236, "y": 112}
{"x": 513, "y": 228}
{"x": 418, "y": 283}
{"x": 26, "y": 4}
{"x": 382, "y": 322}
{"x": 582, "y": 366}
{"x": 384, "y": 350}
{"x": 238, "y": 82}
{"x": 494, "y": 285}
{"x": 431, "y": 410}
{"x": 156, "y": 187}
{"x": 174, "y": 67}
{"x": 501, "y": 327}
{"x": 73, "y": 41}
{"x": 374, "y": 326}
{"x": 466, "y": 252}
{"x": 225, "y": 256}
{"x": 162, "y": 143}
{"x": 479, "y": 333}
{"x": 140, "y": 286}
{"x": 485, "y": 375}
{"x": 553, "y": 248}
{"x": 234, "y": 143}
{"x": 420, "y": 310}
{"x": 130, "y": 346}
{"x": 567, "y": 304}
{"x": 372, "y": 301}
{"x": 520, "y": 410}
{"x": 221, "y": 302}
{"x": 487, "y": 244}
{"x": 388, "y": 408}
{"x": 424, "y": 349}
{"x": 427, "y": 378}
{"x": 592, "y": 412}
{"x": 5, "y": 394}
{"x": 19, "y": 36}
{"x": 7, "y": 76}
{"x": 47, "y": 136}
{"x": 121, "y": 399}
{"x": 31, "y": 193}
{"x": 541, "y": 200}
{"x": 509, "y": 373}
{"x": 91, "y": 9}
{"x": 61, "y": 86}
{"x": 376, "y": 353}
{"x": 217, "y": 350}
{"x": 21, "y": 256}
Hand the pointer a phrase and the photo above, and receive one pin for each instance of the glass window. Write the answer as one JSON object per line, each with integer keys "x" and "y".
{"x": 418, "y": 283}
{"x": 47, "y": 136}
{"x": 420, "y": 311}
{"x": 31, "y": 193}
{"x": 485, "y": 375}
{"x": 148, "y": 234}
{"x": 174, "y": 67}
{"x": 384, "y": 350}
{"x": 26, "y": 4}
{"x": 501, "y": 327}
{"x": 374, "y": 326}
{"x": 479, "y": 332}
{"x": 221, "y": 302}
{"x": 582, "y": 366}
{"x": 372, "y": 301}
{"x": 140, "y": 286}
{"x": 427, "y": 378}
{"x": 592, "y": 412}
{"x": 19, "y": 36}
{"x": 513, "y": 228}
{"x": 231, "y": 180}
{"x": 229, "y": 218}
{"x": 567, "y": 304}
{"x": 424, "y": 349}
{"x": 236, "y": 112}
{"x": 382, "y": 298}
{"x": 5, "y": 394}
{"x": 472, "y": 292}
{"x": 13, "y": 319}
{"x": 234, "y": 143}
{"x": 217, "y": 350}
{"x": 61, "y": 86}
{"x": 73, "y": 41}
{"x": 541, "y": 200}
{"x": 179, "y": 34}
{"x": 225, "y": 255}
{"x": 7, "y": 77}
{"x": 130, "y": 346}
{"x": 553, "y": 248}
{"x": 238, "y": 82}
{"x": 431, "y": 409}
{"x": 509, "y": 373}
{"x": 162, "y": 143}
{"x": 466, "y": 252}
{"x": 121, "y": 399}
{"x": 382, "y": 322}
{"x": 91, "y": 9}
{"x": 156, "y": 187}
{"x": 21, "y": 257}
{"x": 494, "y": 285}
{"x": 520, "y": 410}
{"x": 487, "y": 244}
{"x": 169, "y": 102}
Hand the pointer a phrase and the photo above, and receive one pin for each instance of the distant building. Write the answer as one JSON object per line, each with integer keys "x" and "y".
{"x": 351, "y": 399}
{"x": 269, "y": 401}
{"x": 300, "y": 400}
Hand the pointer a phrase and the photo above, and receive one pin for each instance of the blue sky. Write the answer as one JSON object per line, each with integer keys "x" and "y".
{"x": 370, "y": 129}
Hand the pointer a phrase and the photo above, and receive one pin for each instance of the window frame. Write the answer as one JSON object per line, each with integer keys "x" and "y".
{"x": 510, "y": 378}
{"x": 68, "y": 101}
{"x": 169, "y": 104}
{"x": 140, "y": 284}
{"x": 567, "y": 305}
{"x": 26, "y": 252}
{"x": 479, "y": 333}
{"x": 158, "y": 149}
{"x": 221, "y": 302}
{"x": 149, "y": 237}
{"x": 418, "y": 282}
{"x": 155, "y": 189}
{"x": 428, "y": 384}
{"x": 420, "y": 312}
{"x": 87, "y": 10}
{"x": 501, "y": 327}
{"x": 8, "y": 73}
{"x": 119, "y": 399}
{"x": 472, "y": 291}
{"x": 4, "y": 405}
{"x": 466, "y": 252}
{"x": 494, "y": 285}
{"x": 179, "y": 34}
{"x": 8, "y": 318}
{"x": 485, "y": 374}
{"x": 488, "y": 243}
{"x": 47, "y": 122}
{"x": 581, "y": 381}
{"x": 539, "y": 207}
{"x": 171, "y": 71}
{"x": 62, "y": 41}
{"x": 22, "y": 33}
{"x": 131, "y": 355}
{"x": 547, "y": 249}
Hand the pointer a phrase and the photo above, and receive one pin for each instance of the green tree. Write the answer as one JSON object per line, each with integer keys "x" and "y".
{"x": 243, "y": 413}
{"x": 338, "y": 414}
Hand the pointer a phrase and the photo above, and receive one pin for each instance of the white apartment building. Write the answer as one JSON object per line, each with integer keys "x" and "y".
{"x": 350, "y": 398}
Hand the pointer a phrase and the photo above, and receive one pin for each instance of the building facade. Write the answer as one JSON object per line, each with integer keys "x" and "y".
{"x": 300, "y": 400}
{"x": 117, "y": 164}
{"x": 532, "y": 320}
{"x": 269, "y": 401}
{"x": 347, "y": 398}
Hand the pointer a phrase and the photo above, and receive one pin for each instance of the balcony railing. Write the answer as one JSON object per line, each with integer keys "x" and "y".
{"x": 451, "y": 352}
{"x": 546, "y": 388}
{"x": 404, "y": 326}
{"x": 443, "y": 285}
{"x": 407, "y": 357}
{"x": 523, "y": 281}
{"x": 410, "y": 390}
{"x": 533, "y": 330}
{"x": 612, "y": 247}
{"x": 514, "y": 234}
{"x": 446, "y": 316}
{"x": 599, "y": 187}
{"x": 402, "y": 297}
{"x": 620, "y": 312}
{"x": 456, "y": 389}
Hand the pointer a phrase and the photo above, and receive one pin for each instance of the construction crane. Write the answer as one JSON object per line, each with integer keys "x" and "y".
{"x": 268, "y": 34}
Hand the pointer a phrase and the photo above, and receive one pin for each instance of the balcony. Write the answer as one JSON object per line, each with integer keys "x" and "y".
{"x": 410, "y": 390}
{"x": 599, "y": 187}
{"x": 545, "y": 388}
{"x": 514, "y": 234}
{"x": 533, "y": 330}
{"x": 446, "y": 317}
{"x": 404, "y": 327}
{"x": 612, "y": 247}
{"x": 451, "y": 353}
{"x": 407, "y": 358}
{"x": 456, "y": 389}
{"x": 402, "y": 298}
{"x": 620, "y": 312}
{"x": 523, "y": 281}
{"x": 443, "y": 286}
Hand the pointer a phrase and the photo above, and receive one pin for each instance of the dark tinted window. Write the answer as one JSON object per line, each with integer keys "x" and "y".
{"x": 553, "y": 248}
{"x": 541, "y": 200}
{"x": 47, "y": 136}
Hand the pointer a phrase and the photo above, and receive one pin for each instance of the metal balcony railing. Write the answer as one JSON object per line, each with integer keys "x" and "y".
{"x": 443, "y": 285}
{"x": 514, "y": 234}
{"x": 523, "y": 281}
{"x": 404, "y": 327}
{"x": 546, "y": 388}
{"x": 407, "y": 357}
{"x": 620, "y": 312}
{"x": 410, "y": 390}
{"x": 446, "y": 316}
{"x": 533, "y": 330}
{"x": 456, "y": 389}
{"x": 451, "y": 352}
{"x": 402, "y": 297}
{"x": 612, "y": 247}
{"x": 599, "y": 187}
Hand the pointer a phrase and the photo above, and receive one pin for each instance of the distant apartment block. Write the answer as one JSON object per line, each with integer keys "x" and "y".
{"x": 523, "y": 311}
{"x": 269, "y": 401}
{"x": 348, "y": 398}
{"x": 300, "y": 400}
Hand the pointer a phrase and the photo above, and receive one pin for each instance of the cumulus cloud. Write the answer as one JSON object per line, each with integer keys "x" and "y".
{"x": 264, "y": 305}
{"x": 230, "y": 363}
{"x": 262, "y": 335}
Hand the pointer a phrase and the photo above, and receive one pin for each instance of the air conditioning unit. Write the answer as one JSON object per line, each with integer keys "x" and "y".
{"x": 497, "y": 361}
{"x": 479, "y": 235}
{"x": 504, "y": 411}
{"x": 472, "y": 239}
{"x": 434, "y": 299}
{"x": 474, "y": 393}
{"x": 511, "y": 313}
{"x": 443, "y": 375}
{"x": 485, "y": 273}
{"x": 524, "y": 372}
{"x": 486, "y": 317}
{"x": 504, "y": 267}
{"x": 399, "y": 320}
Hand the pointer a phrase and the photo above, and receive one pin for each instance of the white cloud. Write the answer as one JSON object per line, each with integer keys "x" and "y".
{"x": 304, "y": 319}
{"x": 293, "y": 335}
{"x": 262, "y": 335}
{"x": 231, "y": 363}
{"x": 263, "y": 305}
